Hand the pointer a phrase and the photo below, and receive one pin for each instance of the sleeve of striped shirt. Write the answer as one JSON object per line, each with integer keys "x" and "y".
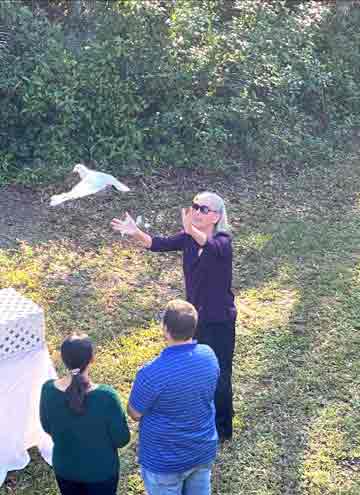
{"x": 144, "y": 393}
{"x": 173, "y": 243}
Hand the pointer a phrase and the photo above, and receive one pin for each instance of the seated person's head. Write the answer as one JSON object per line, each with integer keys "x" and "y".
{"x": 180, "y": 320}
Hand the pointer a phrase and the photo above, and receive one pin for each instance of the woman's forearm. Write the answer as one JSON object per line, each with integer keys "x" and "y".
{"x": 197, "y": 235}
{"x": 144, "y": 239}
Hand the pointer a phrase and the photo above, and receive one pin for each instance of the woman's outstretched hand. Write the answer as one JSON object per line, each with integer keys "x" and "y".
{"x": 126, "y": 226}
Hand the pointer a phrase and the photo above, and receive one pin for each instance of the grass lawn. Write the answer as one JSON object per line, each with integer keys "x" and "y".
{"x": 297, "y": 283}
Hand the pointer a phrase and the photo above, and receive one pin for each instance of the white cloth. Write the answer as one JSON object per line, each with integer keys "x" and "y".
{"x": 22, "y": 324}
{"x": 21, "y": 379}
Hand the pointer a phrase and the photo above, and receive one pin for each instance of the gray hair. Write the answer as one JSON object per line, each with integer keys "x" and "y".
{"x": 217, "y": 204}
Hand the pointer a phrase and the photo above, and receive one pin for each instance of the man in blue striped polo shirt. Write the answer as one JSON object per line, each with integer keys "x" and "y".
{"x": 173, "y": 398}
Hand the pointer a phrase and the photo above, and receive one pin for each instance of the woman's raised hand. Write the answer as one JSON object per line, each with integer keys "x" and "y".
{"x": 186, "y": 214}
{"x": 127, "y": 226}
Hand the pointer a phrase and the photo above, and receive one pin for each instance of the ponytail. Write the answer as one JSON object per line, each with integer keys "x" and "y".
{"x": 77, "y": 352}
{"x": 76, "y": 392}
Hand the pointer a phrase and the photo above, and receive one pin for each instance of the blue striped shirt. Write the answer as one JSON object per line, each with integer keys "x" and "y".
{"x": 175, "y": 394}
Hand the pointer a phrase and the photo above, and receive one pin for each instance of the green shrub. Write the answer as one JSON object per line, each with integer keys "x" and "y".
{"x": 31, "y": 44}
{"x": 270, "y": 84}
{"x": 141, "y": 84}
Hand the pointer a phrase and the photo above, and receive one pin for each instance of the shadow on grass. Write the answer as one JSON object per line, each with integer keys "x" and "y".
{"x": 296, "y": 365}
{"x": 296, "y": 248}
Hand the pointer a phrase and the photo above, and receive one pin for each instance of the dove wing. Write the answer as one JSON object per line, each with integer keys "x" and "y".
{"x": 85, "y": 188}
{"x": 119, "y": 185}
{"x": 109, "y": 179}
{"x": 57, "y": 199}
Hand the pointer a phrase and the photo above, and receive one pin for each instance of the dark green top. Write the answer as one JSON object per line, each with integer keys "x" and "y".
{"x": 85, "y": 447}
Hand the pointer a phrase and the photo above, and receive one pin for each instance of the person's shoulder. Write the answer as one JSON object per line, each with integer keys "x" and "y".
{"x": 207, "y": 363}
{"x": 151, "y": 367}
{"x": 48, "y": 390}
{"x": 206, "y": 352}
{"x": 150, "y": 376}
{"x": 48, "y": 385}
{"x": 106, "y": 391}
{"x": 223, "y": 236}
{"x": 204, "y": 349}
{"x": 107, "y": 394}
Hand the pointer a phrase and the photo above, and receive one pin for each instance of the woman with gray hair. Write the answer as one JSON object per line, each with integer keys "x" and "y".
{"x": 207, "y": 264}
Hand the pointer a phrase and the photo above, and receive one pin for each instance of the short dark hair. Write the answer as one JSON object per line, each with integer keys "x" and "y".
{"x": 180, "y": 319}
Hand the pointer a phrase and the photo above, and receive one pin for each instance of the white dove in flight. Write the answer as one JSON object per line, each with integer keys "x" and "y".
{"x": 91, "y": 183}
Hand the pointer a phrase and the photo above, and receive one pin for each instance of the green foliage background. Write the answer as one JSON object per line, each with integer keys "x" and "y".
{"x": 138, "y": 85}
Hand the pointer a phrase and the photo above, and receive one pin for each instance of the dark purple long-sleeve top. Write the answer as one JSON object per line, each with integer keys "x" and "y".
{"x": 208, "y": 276}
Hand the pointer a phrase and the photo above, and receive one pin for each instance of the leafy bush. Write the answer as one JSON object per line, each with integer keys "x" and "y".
{"x": 271, "y": 78}
{"x": 184, "y": 83}
{"x": 31, "y": 43}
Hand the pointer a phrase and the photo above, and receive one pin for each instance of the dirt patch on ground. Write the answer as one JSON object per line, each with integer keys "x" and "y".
{"x": 25, "y": 214}
{"x": 21, "y": 212}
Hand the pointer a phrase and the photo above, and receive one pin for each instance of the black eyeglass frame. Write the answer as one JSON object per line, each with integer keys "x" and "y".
{"x": 204, "y": 209}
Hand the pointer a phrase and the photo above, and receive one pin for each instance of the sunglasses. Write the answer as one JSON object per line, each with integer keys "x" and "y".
{"x": 202, "y": 208}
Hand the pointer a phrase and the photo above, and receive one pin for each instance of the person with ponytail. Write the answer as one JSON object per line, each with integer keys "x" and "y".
{"x": 205, "y": 242}
{"x": 86, "y": 422}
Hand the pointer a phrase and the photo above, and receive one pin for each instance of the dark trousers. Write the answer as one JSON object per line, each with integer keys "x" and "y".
{"x": 221, "y": 338}
{"x": 68, "y": 487}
